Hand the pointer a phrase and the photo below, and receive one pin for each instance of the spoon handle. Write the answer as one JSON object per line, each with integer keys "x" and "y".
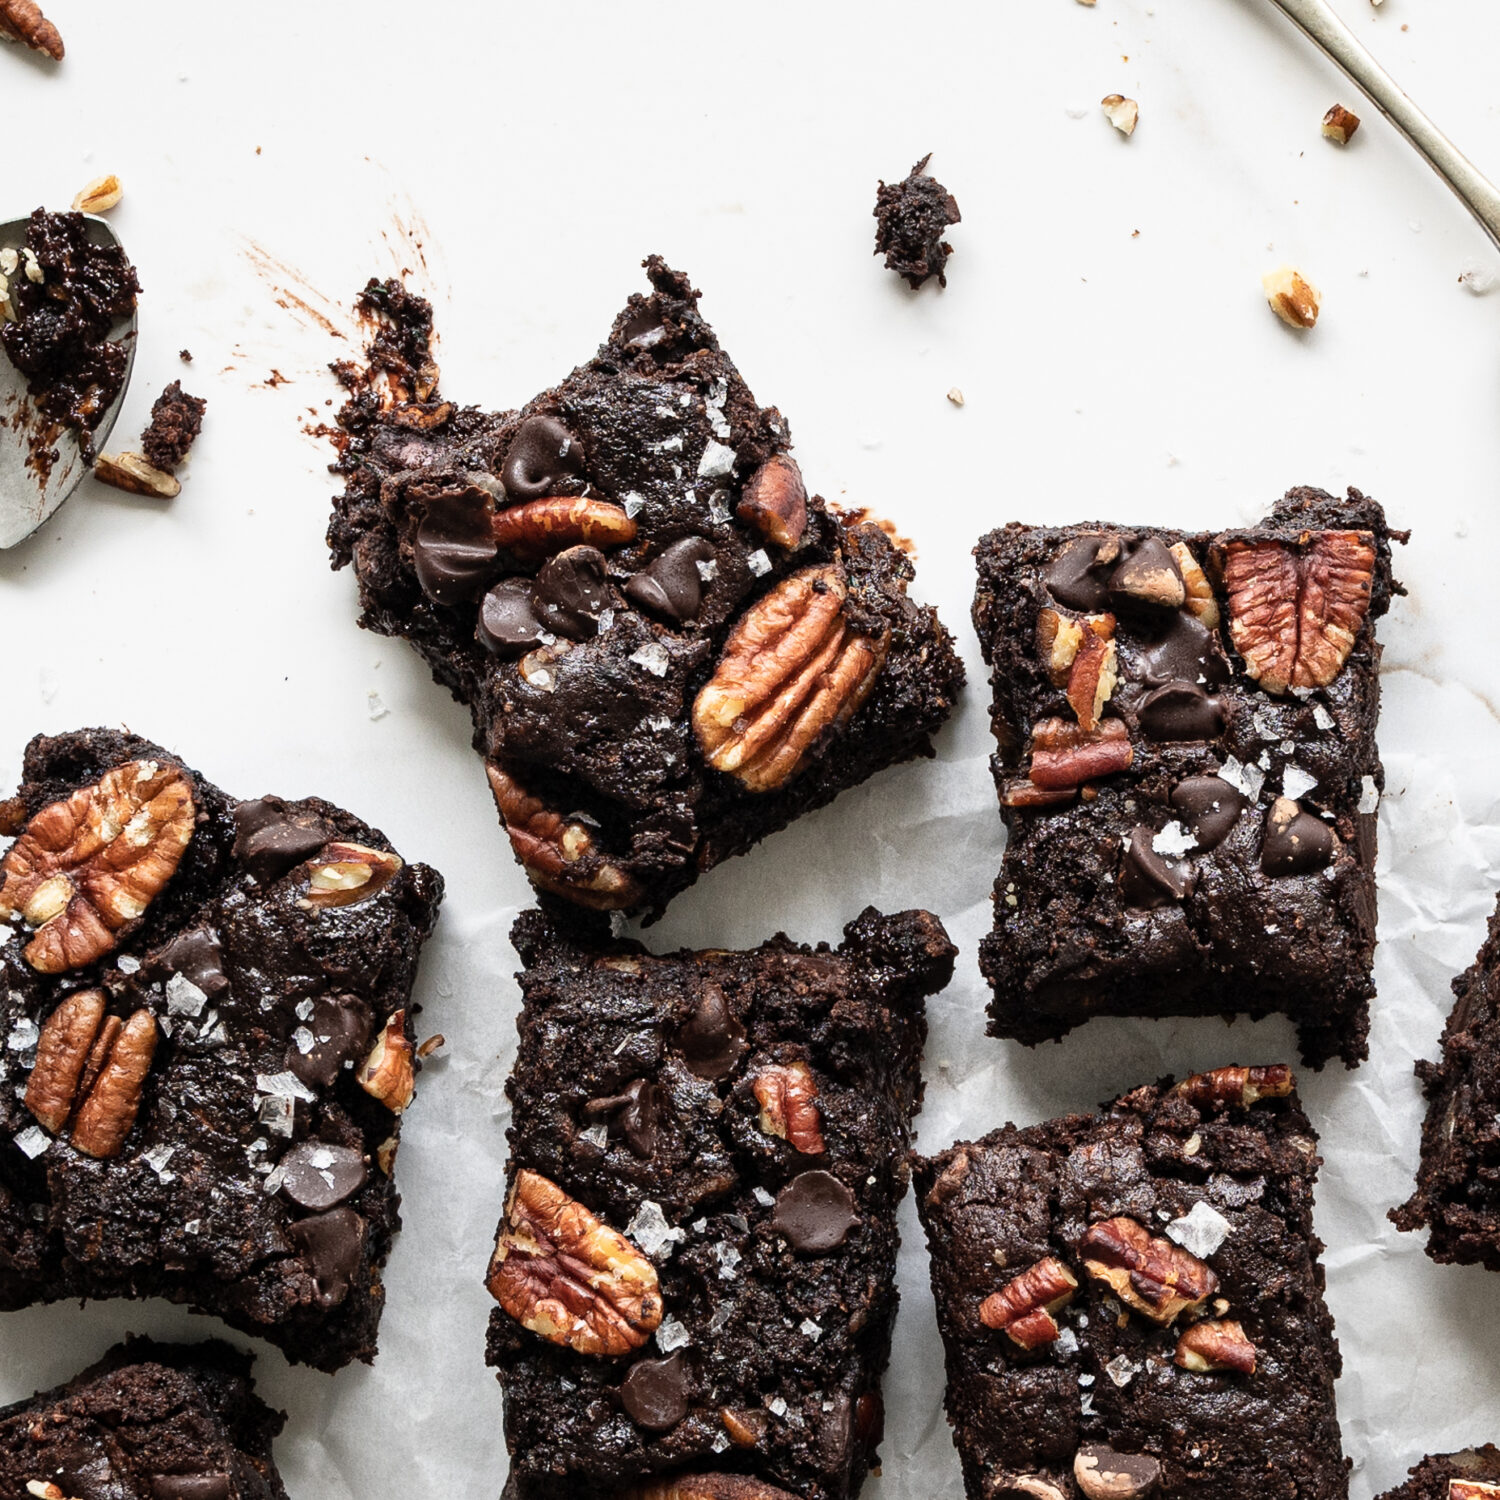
{"x": 1475, "y": 191}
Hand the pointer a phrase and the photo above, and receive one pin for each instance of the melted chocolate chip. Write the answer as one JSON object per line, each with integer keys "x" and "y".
{"x": 454, "y": 549}
{"x": 508, "y": 623}
{"x": 191, "y": 1487}
{"x": 1186, "y": 651}
{"x": 1146, "y": 879}
{"x": 655, "y": 1392}
{"x": 340, "y": 1027}
{"x": 644, "y": 328}
{"x": 318, "y": 1177}
{"x": 712, "y": 1042}
{"x": 1131, "y": 1476}
{"x": 83, "y": 1471}
{"x": 1148, "y": 575}
{"x": 671, "y": 586}
{"x": 195, "y": 954}
{"x": 270, "y": 841}
{"x": 1180, "y": 711}
{"x": 634, "y": 1114}
{"x": 1294, "y": 842}
{"x": 1209, "y": 806}
{"x": 1078, "y": 574}
{"x": 570, "y": 591}
{"x": 332, "y": 1245}
{"x": 542, "y": 453}
{"x": 869, "y": 1419}
{"x": 815, "y": 1211}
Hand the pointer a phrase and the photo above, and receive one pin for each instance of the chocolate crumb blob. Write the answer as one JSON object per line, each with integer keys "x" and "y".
{"x": 911, "y": 217}
{"x": 176, "y": 419}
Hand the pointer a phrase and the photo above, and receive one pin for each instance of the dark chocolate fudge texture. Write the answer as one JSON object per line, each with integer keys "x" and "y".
{"x": 696, "y": 1267}
{"x": 207, "y": 1019}
{"x": 176, "y": 420}
{"x": 669, "y": 649}
{"x": 1458, "y": 1181}
{"x": 148, "y": 1422}
{"x": 1187, "y": 769}
{"x": 1473, "y": 1474}
{"x": 1132, "y": 1302}
{"x": 911, "y": 217}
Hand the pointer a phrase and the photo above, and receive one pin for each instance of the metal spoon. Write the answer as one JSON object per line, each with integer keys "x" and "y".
{"x": 25, "y": 500}
{"x": 1475, "y": 191}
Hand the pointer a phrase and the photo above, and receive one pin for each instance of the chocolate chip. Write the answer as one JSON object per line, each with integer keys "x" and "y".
{"x": 570, "y": 591}
{"x": 1101, "y": 1471}
{"x": 84, "y": 1471}
{"x": 1294, "y": 842}
{"x": 1149, "y": 574}
{"x": 1077, "y": 575}
{"x": 340, "y": 1027}
{"x": 655, "y": 1392}
{"x": 712, "y": 1042}
{"x": 836, "y": 1433}
{"x": 317, "y": 1176}
{"x": 1180, "y": 711}
{"x": 454, "y": 549}
{"x": 1146, "y": 879}
{"x": 195, "y": 954}
{"x": 191, "y": 1487}
{"x": 508, "y": 623}
{"x": 332, "y": 1245}
{"x": 869, "y": 1420}
{"x": 1209, "y": 806}
{"x": 1186, "y": 651}
{"x": 633, "y": 1114}
{"x": 270, "y": 840}
{"x": 671, "y": 586}
{"x": 644, "y": 328}
{"x": 815, "y": 1211}
{"x": 541, "y": 455}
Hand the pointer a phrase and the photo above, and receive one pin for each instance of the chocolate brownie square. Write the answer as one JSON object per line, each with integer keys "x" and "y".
{"x": 154, "y": 1421}
{"x": 1187, "y": 769}
{"x": 1473, "y": 1474}
{"x": 668, "y": 648}
{"x": 1131, "y": 1302}
{"x": 208, "y": 1043}
{"x": 1458, "y": 1181}
{"x": 696, "y": 1265}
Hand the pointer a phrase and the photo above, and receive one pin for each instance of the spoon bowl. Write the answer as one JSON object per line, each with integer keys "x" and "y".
{"x": 26, "y": 498}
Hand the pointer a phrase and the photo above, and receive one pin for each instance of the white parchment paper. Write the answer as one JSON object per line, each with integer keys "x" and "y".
{"x": 1104, "y": 323}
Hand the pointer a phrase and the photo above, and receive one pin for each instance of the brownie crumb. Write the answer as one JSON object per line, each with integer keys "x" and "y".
{"x": 176, "y": 419}
{"x": 910, "y": 219}
{"x": 185, "y": 355}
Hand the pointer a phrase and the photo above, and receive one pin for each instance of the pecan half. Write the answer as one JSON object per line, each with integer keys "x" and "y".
{"x": 541, "y": 528}
{"x": 1200, "y": 593}
{"x": 23, "y": 20}
{"x": 1296, "y": 608}
{"x": 1219, "y": 1344}
{"x": 788, "y": 1097}
{"x": 87, "y": 866}
{"x": 792, "y": 672}
{"x": 563, "y": 1274}
{"x": 1065, "y": 756}
{"x": 388, "y": 1073}
{"x": 1022, "y": 1309}
{"x": 1146, "y": 1272}
{"x": 342, "y": 874}
{"x": 1237, "y": 1086}
{"x": 90, "y": 1069}
{"x": 557, "y": 854}
{"x": 774, "y": 502}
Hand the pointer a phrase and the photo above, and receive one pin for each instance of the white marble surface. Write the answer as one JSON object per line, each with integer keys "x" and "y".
{"x": 1135, "y": 377}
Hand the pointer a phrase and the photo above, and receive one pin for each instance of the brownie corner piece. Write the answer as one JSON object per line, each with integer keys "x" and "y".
{"x": 1457, "y": 1197}
{"x": 165, "y": 1421}
{"x": 695, "y": 1271}
{"x": 209, "y": 1042}
{"x": 1472, "y": 1474}
{"x": 669, "y": 648}
{"x": 1127, "y": 1298}
{"x": 1188, "y": 770}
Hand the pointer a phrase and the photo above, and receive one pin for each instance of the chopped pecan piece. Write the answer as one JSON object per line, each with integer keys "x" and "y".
{"x": 791, "y": 674}
{"x": 788, "y": 1097}
{"x": 342, "y": 874}
{"x": 1296, "y": 608}
{"x": 87, "y": 866}
{"x": 1219, "y": 1344}
{"x": 1033, "y": 1486}
{"x": 1237, "y": 1086}
{"x": 542, "y": 528}
{"x": 1146, "y": 1272}
{"x": 1200, "y": 594}
{"x": 90, "y": 1069}
{"x": 1059, "y": 637}
{"x": 1022, "y": 1309}
{"x": 23, "y": 20}
{"x": 1472, "y": 1489}
{"x": 388, "y": 1074}
{"x": 563, "y": 1274}
{"x": 1092, "y": 679}
{"x": 557, "y": 854}
{"x": 1064, "y": 756}
{"x": 774, "y": 502}
{"x": 746, "y": 1426}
